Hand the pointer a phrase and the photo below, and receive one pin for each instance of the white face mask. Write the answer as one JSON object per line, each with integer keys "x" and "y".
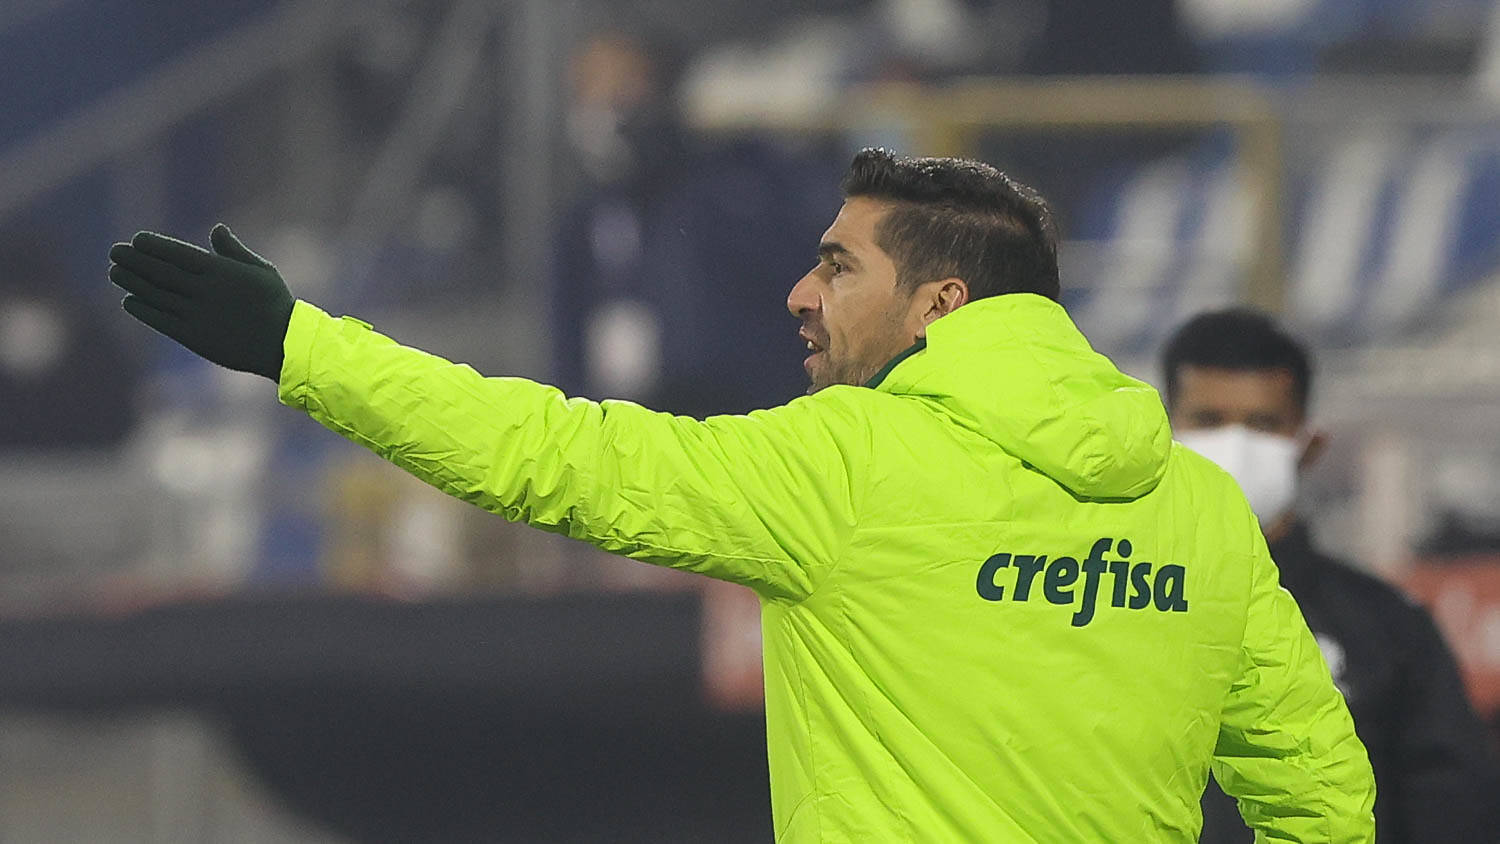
{"x": 1265, "y": 465}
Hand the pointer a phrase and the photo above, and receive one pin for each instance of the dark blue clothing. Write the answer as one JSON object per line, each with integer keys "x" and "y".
{"x": 711, "y": 249}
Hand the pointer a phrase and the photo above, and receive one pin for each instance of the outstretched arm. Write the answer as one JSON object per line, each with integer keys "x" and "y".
{"x": 767, "y": 500}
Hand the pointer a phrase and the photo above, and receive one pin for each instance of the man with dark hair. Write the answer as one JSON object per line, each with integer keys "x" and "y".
{"x": 959, "y": 219}
{"x": 998, "y": 603}
{"x": 945, "y": 231}
{"x": 1238, "y": 390}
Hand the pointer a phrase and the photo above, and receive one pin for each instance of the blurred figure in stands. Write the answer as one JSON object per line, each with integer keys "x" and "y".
{"x": 1098, "y": 38}
{"x": 1238, "y": 390}
{"x": 672, "y": 257}
{"x": 66, "y": 380}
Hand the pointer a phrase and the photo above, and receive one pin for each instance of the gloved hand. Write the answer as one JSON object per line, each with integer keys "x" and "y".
{"x": 229, "y": 305}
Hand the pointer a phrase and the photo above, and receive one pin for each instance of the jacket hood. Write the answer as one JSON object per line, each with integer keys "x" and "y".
{"x": 1015, "y": 369}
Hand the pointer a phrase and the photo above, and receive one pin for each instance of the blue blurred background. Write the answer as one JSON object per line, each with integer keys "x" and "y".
{"x": 227, "y": 624}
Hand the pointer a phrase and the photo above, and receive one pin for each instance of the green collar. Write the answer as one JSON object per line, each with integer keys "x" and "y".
{"x": 886, "y": 370}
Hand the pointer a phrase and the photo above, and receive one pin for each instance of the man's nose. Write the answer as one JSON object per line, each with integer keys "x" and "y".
{"x": 803, "y": 296}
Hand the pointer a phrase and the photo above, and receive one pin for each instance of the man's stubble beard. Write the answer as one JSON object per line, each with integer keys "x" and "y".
{"x": 846, "y": 374}
{"x": 856, "y": 374}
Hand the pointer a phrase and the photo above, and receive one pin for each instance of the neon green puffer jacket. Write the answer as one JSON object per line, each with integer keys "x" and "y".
{"x": 999, "y": 603}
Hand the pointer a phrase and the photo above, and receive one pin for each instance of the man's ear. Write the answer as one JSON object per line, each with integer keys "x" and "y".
{"x": 941, "y": 298}
{"x": 1317, "y": 446}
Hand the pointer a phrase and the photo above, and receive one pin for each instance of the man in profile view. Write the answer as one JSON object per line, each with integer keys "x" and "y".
{"x": 998, "y": 602}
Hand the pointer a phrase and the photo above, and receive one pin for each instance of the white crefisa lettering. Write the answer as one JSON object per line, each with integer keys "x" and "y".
{"x": 1131, "y": 585}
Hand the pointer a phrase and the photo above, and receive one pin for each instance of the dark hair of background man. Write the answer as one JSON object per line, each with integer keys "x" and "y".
{"x": 1238, "y": 339}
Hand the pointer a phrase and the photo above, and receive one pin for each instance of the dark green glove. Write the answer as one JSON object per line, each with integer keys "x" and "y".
{"x": 229, "y": 305}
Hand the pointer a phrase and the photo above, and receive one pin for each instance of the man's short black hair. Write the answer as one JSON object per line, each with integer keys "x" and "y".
{"x": 1238, "y": 339}
{"x": 954, "y": 218}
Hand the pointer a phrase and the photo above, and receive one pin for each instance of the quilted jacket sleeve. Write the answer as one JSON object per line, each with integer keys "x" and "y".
{"x": 1287, "y": 751}
{"x": 766, "y": 500}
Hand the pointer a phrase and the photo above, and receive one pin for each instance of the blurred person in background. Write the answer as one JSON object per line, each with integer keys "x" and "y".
{"x": 66, "y": 379}
{"x": 1098, "y": 38}
{"x": 949, "y": 655}
{"x": 1238, "y": 390}
{"x": 671, "y": 256}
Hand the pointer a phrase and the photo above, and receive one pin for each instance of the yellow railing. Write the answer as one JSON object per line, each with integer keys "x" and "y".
{"x": 948, "y": 119}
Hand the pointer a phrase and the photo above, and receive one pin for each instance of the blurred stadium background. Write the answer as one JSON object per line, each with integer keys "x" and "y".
{"x": 222, "y": 623}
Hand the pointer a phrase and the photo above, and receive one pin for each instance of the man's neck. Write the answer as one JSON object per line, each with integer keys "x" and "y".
{"x": 1280, "y": 528}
